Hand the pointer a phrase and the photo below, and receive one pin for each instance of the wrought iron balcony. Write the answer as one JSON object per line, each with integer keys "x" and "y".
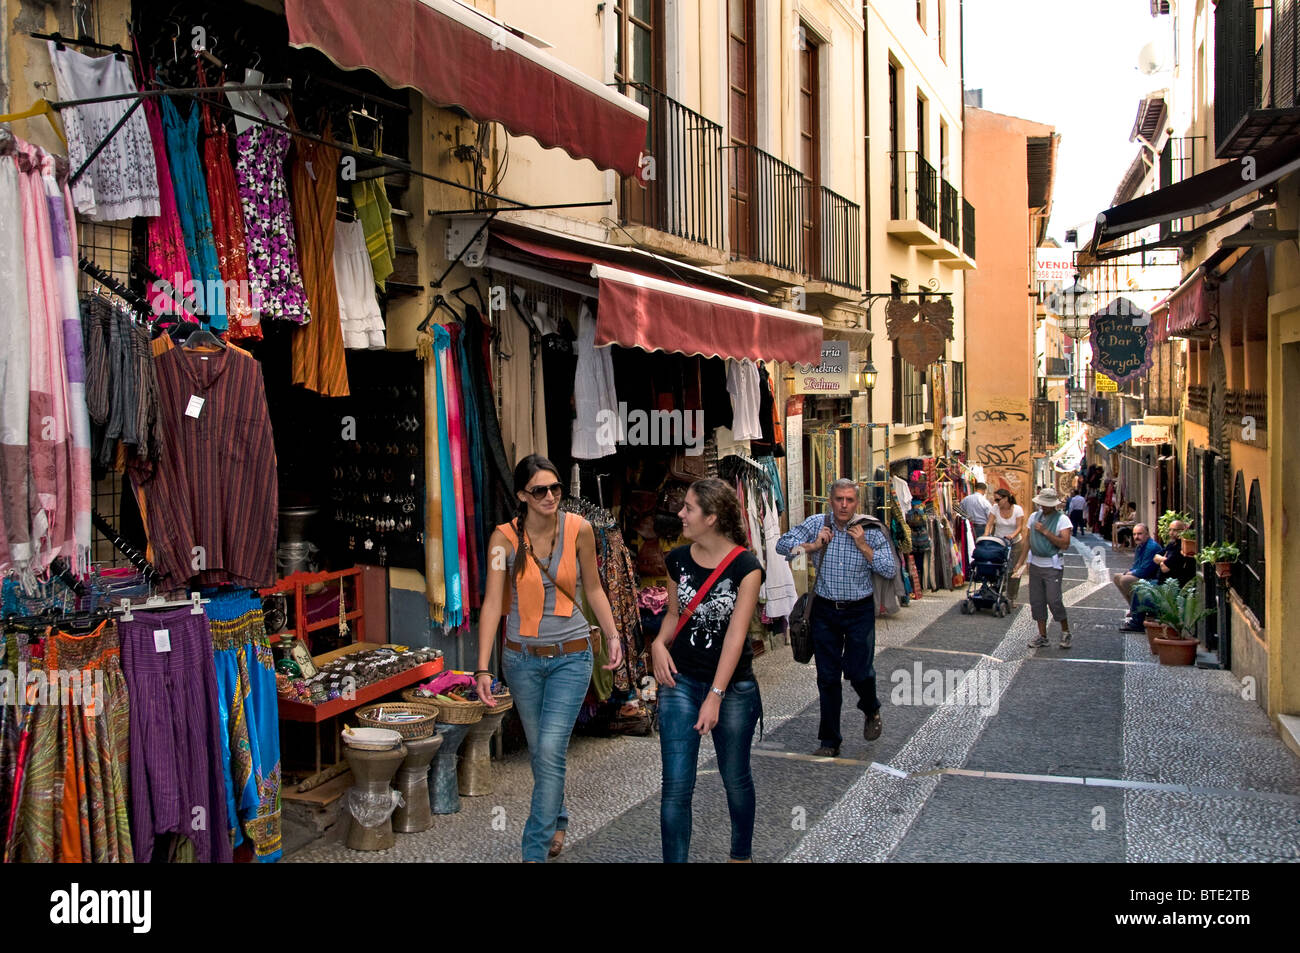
{"x": 682, "y": 191}
{"x": 1243, "y": 122}
{"x": 767, "y": 199}
{"x": 836, "y": 257}
{"x": 1056, "y": 367}
{"x": 949, "y": 209}
{"x": 914, "y": 193}
{"x": 967, "y": 229}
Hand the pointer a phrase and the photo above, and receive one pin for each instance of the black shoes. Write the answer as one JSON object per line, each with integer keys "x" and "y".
{"x": 825, "y": 751}
{"x": 872, "y": 727}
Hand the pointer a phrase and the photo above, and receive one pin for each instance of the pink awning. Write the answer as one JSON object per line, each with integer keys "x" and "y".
{"x": 636, "y": 309}
{"x": 1188, "y": 308}
{"x": 456, "y": 57}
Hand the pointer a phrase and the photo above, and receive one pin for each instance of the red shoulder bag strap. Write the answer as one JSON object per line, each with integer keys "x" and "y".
{"x": 704, "y": 589}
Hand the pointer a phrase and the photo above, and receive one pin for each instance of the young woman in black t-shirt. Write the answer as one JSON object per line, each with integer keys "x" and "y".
{"x": 705, "y": 671}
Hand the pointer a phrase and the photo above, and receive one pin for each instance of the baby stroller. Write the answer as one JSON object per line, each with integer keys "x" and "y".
{"x": 987, "y": 586}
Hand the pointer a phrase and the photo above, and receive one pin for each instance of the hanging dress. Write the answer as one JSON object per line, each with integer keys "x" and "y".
{"x": 359, "y": 315}
{"x": 166, "y": 239}
{"x": 195, "y": 212}
{"x": 318, "y": 361}
{"x": 227, "y": 224}
{"x": 122, "y": 182}
{"x": 273, "y": 272}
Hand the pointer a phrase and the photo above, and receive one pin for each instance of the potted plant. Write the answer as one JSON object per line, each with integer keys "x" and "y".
{"x": 1191, "y": 610}
{"x": 1223, "y": 555}
{"x": 1160, "y": 602}
{"x": 1188, "y": 539}
{"x": 1170, "y": 516}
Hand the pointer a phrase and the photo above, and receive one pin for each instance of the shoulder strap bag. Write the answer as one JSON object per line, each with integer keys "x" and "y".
{"x": 801, "y": 643}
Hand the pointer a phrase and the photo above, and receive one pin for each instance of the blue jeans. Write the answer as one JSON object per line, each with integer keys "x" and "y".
{"x": 548, "y": 695}
{"x": 679, "y": 743}
{"x": 844, "y": 646}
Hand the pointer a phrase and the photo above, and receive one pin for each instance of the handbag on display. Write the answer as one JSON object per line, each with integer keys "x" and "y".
{"x": 801, "y": 640}
{"x": 650, "y": 560}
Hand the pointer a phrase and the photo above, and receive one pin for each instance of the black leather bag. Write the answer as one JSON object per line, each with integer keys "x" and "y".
{"x": 801, "y": 640}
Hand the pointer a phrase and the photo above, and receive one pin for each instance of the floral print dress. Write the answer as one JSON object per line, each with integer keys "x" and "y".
{"x": 274, "y": 276}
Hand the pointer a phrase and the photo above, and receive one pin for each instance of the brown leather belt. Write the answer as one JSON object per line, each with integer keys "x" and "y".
{"x": 551, "y": 649}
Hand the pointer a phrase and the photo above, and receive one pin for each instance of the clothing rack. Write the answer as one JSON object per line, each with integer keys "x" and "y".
{"x": 132, "y": 299}
{"x": 54, "y": 617}
{"x": 599, "y": 517}
{"x": 136, "y": 557}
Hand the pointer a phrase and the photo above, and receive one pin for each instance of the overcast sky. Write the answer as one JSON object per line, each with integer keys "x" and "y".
{"x": 1071, "y": 64}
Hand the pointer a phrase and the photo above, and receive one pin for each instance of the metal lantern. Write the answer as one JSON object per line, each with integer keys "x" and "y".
{"x": 1073, "y": 306}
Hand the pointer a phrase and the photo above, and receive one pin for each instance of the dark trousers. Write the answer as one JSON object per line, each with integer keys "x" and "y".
{"x": 844, "y": 646}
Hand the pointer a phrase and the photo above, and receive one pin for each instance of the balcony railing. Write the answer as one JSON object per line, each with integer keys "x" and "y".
{"x": 1198, "y": 398}
{"x": 837, "y": 260}
{"x": 967, "y": 229}
{"x": 1247, "y": 403}
{"x": 949, "y": 210}
{"x": 1178, "y": 162}
{"x": 1056, "y": 367}
{"x": 767, "y": 209}
{"x": 683, "y": 191}
{"x": 1243, "y": 122}
{"x": 1043, "y": 433}
{"x": 915, "y": 189}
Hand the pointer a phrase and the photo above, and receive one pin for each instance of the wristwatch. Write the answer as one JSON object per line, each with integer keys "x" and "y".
{"x": 719, "y": 692}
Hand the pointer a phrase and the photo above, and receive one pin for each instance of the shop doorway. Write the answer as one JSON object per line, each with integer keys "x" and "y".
{"x": 836, "y": 451}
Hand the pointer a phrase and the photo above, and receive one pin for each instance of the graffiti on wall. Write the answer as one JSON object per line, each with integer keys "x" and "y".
{"x": 999, "y": 438}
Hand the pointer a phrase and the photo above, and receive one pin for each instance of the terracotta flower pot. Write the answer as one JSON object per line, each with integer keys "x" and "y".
{"x": 1189, "y": 547}
{"x": 1176, "y": 651}
{"x": 1224, "y": 570}
{"x": 1158, "y": 630}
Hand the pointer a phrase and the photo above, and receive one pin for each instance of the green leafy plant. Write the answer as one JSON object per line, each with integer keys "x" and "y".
{"x": 1161, "y": 600}
{"x": 1191, "y": 609}
{"x": 1170, "y": 516}
{"x": 1219, "y": 553}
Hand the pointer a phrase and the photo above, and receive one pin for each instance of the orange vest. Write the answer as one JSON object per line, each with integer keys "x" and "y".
{"x": 530, "y": 594}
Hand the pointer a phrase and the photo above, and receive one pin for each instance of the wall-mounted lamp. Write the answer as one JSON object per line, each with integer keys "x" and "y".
{"x": 868, "y": 374}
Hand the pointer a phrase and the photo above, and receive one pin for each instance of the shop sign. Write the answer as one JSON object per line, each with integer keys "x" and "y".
{"x": 830, "y": 377}
{"x": 1121, "y": 346}
{"x": 1150, "y": 435}
{"x": 1104, "y": 385}
{"x": 1054, "y": 266}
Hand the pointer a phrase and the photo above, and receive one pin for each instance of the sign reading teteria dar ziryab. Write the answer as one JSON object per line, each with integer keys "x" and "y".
{"x": 1121, "y": 346}
{"x": 830, "y": 377}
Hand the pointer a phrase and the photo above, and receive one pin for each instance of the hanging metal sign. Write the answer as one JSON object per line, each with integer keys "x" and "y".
{"x": 1121, "y": 346}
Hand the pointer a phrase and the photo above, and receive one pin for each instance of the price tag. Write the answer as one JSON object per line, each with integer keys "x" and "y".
{"x": 162, "y": 640}
{"x": 195, "y": 408}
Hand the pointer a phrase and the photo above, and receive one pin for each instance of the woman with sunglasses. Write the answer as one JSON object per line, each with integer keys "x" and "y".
{"x": 536, "y": 563}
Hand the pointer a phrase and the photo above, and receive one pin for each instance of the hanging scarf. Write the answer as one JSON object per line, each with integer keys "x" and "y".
{"x": 15, "y": 373}
{"x": 434, "y": 583}
{"x": 456, "y": 443}
{"x": 471, "y": 541}
{"x": 450, "y": 552}
{"x": 63, "y": 231}
{"x": 474, "y": 468}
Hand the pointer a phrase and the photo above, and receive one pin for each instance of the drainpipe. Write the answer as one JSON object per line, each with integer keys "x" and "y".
{"x": 866, "y": 192}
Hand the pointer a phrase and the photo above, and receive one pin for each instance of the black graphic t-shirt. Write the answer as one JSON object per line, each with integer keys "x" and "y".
{"x": 697, "y": 649}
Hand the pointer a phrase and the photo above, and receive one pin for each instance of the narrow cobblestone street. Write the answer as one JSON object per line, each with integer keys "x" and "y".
{"x": 1095, "y": 753}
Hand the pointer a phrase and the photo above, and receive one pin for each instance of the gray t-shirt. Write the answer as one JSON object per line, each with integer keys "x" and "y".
{"x": 553, "y": 628}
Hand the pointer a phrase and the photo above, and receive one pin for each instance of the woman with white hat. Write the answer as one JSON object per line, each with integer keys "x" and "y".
{"x": 1049, "y": 538}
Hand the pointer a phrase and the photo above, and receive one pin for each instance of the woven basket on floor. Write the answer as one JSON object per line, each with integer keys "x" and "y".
{"x": 410, "y": 730}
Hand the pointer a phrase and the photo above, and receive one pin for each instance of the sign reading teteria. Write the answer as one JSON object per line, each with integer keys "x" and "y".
{"x": 919, "y": 329}
{"x": 1121, "y": 346}
{"x": 830, "y": 377}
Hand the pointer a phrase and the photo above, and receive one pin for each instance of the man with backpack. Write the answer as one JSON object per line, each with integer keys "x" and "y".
{"x": 1049, "y": 537}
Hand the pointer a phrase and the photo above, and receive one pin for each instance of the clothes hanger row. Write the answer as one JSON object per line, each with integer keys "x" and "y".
{"x": 195, "y": 602}
{"x": 439, "y": 302}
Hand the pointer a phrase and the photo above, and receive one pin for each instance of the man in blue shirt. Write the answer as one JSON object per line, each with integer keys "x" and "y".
{"x": 843, "y": 610}
{"x": 1144, "y": 567}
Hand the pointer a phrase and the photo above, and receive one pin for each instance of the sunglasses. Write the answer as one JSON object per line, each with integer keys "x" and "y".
{"x": 542, "y": 492}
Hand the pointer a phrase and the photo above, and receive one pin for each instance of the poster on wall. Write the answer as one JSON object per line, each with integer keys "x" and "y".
{"x": 1121, "y": 345}
{"x": 794, "y": 460}
{"x": 830, "y": 377}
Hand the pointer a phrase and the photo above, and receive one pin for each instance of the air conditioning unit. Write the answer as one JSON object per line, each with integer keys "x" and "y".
{"x": 1159, "y": 7}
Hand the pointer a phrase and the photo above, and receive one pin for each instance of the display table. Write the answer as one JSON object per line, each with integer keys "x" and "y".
{"x": 306, "y": 712}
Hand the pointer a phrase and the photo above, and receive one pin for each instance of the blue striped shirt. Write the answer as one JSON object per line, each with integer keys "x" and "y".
{"x": 844, "y": 574}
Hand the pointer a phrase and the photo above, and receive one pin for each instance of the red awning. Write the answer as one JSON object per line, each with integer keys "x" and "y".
{"x": 456, "y": 57}
{"x": 1189, "y": 307}
{"x": 636, "y": 309}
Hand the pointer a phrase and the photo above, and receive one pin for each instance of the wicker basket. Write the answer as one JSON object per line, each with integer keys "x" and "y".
{"x": 450, "y": 713}
{"x": 410, "y": 730}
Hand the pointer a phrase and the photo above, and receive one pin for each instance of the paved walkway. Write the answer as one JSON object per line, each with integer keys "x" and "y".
{"x": 1091, "y": 753}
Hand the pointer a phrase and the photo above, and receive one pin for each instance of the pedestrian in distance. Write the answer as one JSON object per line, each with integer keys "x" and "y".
{"x": 705, "y": 667}
{"x": 852, "y": 550}
{"x": 536, "y": 563}
{"x": 976, "y": 506}
{"x": 1049, "y": 538}
{"x": 1007, "y": 521}
{"x": 1078, "y": 511}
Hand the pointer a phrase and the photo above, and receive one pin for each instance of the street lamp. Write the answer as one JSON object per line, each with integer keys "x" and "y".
{"x": 868, "y": 374}
{"x": 1073, "y": 306}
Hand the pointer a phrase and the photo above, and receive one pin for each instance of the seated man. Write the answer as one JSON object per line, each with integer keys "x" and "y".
{"x": 1122, "y": 528}
{"x": 1144, "y": 567}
